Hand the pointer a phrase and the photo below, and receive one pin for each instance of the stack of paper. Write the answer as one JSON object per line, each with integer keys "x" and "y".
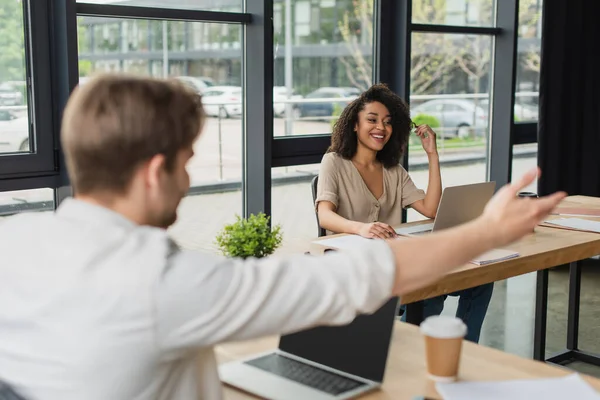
{"x": 569, "y": 387}
{"x": 344, "y": 242}
{"x": 493, "y": 256}
{"x": 576, "y": 211}
{"x": 577, "y": 224}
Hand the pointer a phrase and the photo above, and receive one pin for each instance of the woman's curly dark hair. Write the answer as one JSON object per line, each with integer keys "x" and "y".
{"x": 344, "y": 139}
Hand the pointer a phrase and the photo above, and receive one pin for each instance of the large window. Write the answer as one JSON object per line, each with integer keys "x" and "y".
{"x": 327, "y": 63}
{"x": 528, "y": 60}
{"x": 14, "y": 115}
{"x": 209, "y": 5}
{"x": 454, "y": 12}
{"x": 293, "y": 206}
{"x": 26, "y": 141}
{"x": 200, "y": 56}
{"x": 13, "y": 202}
{"x": 450, "y": 91}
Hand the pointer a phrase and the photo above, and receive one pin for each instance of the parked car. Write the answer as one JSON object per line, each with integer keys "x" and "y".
{"x": 223, "y": 101}
{"x": 9, "y": 95}
{"x": 207, "y": 81}
{"x": 522, "y": 112}
{"x": 458, "y": 117}
{"x": 197, "y": 84}
{"x": 280, "y": 93}
{"x": 14, "y": 132}
{"x": 325, "y": 109}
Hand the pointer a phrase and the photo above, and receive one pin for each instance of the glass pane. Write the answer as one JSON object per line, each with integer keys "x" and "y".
{"x": 179, "y": 50}
{"x": 454, "y": 12}
{"x": 291, "y": 190}
{"x": 327, "y": 64}
{"x": 14, "y": 118}
{"x": 450, "y": 82}
{"x": 19, "y": 201}
{"x": 208, "y": 5}
{"x": 528, "y": 60}
{"x": 524, "y": 158}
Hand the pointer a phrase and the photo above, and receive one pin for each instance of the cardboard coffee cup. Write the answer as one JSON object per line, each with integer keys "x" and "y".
{"x": 443, "y": 344}
{"x": 530, "y": 195}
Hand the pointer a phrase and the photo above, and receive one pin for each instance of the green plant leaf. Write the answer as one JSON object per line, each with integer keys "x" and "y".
{"x": 251, "y": 237}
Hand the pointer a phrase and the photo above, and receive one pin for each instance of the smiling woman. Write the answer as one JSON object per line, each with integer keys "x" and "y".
{"x": 362, "y": 187}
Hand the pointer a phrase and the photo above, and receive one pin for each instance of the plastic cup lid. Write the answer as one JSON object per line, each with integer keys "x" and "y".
{"x": 443, "y": 327}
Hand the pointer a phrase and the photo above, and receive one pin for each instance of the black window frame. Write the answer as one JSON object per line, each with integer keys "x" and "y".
{"x": 52, "y": 66}
{"x": 26, "y": 169}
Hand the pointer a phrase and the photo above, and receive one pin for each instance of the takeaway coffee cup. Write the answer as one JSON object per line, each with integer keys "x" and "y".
{"x": 528, "y": 194}
{"x": 443, "y": 344}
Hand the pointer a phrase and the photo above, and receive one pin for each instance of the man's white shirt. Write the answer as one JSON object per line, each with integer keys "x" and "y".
{"x": 93, "y": 306}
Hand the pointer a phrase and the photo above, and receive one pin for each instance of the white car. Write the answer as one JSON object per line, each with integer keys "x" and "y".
{"x": 197, "y": 84}
{"x": 223, "y": 101}
{"x": 9, "y": 95}
{"x": 14, "y": 132}
{"x": 280, "y": 95}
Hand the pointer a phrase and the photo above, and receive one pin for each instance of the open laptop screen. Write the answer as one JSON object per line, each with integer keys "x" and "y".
{"x": 360, "y": 348}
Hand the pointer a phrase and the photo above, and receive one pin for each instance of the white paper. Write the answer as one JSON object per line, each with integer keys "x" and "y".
{"x": 495, "y": 256}
{"x": 576, "y": 223}
{"x": 568, "y": 387}
{"x": 344, "y": 242}
{"x": 578, "y": 215}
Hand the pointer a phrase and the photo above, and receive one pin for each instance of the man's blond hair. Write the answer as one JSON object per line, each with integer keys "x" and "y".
{"x": 114, "y": 123}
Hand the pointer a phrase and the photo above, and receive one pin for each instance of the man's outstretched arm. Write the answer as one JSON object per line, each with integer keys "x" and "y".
{"x": 204, "y": 300}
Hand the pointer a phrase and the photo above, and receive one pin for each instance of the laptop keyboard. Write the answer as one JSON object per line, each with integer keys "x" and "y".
{"x": 305, "y": 374}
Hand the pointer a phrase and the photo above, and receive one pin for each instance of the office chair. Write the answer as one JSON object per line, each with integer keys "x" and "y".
{"x": 313, "y": 184}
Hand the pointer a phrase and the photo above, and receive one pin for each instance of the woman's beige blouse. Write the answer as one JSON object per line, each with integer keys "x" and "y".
{"x": 341, "y": 184}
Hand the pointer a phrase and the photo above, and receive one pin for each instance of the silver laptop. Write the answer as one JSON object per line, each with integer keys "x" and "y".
{"x": 459, "y": 204}
{"x": 320, "y": 363}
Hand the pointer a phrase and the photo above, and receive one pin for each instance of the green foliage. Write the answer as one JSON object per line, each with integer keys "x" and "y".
{"x": 421, "y": 119}
{"x": 337, "y": 111}
{"x": 427, "y": 119}
{"x": 12, "y": 41}
{"x": 250, "y": 237}
{"x": 85, "y": 67}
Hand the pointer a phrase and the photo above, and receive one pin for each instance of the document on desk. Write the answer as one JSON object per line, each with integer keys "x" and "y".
{"x": 568, "y": 387}
{"x": 344, "y": 242}
{"x": 577, "y": 224}
{"x": 576, "y": 211}
{"x": 495, "y": 255}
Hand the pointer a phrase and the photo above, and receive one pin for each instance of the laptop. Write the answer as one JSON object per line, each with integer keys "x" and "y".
{"x": 326, "y": 362}
{"x": 459, "y": 204}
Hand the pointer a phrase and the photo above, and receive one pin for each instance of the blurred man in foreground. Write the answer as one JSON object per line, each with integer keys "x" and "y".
{"x": 108, "y": 307}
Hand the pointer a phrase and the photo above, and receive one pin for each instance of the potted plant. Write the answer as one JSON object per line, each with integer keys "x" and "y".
{"x": 251, "y": 237}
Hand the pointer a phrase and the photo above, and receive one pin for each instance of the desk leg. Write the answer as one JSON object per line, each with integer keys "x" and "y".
{"x": 571, "y": 353}
{"x": 414, "y": 313}
{"x": 541, "y": 313}
{"x": 574, "y": 301}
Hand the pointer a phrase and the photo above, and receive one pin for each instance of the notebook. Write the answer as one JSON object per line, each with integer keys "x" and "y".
{"x": 576, "y": 224}
{"x": 572, "y": 386}
{"x": 576, "y": 211}
{"x": 493, "y": 256}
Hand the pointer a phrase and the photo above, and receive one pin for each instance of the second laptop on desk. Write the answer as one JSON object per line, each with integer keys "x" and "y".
{"x": 459, "y": 204}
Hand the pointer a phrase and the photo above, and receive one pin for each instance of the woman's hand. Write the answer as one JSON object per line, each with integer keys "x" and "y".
{"x": 427, "y": 136}
{"x": 377, "y": 230}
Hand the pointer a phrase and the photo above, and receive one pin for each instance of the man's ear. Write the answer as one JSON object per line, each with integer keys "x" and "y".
{"x": 155, "y": 167}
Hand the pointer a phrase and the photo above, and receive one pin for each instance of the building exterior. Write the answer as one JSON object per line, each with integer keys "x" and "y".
{"x": 331, "y": 44}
